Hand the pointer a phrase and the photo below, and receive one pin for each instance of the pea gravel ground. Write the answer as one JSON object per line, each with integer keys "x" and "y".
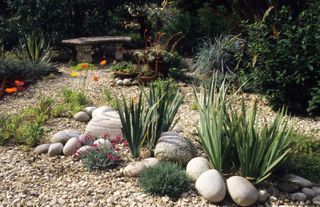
{"x": 30, "y": 180}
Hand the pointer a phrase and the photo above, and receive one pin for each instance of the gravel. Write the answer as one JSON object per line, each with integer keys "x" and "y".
{"x": 27, "y": 179}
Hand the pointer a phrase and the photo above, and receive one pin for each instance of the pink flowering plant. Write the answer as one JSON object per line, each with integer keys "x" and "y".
{"x": 102, "y": 157}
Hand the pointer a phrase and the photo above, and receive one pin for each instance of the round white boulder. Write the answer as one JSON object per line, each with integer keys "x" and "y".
{"x": 133, "y": 169}
{"x": 196, "y": 166}
{"x": 242, "y": 191}
{"x": 211, "y": 186}
{"x": 150, "y": 162}
{"x": 103, "y": 143}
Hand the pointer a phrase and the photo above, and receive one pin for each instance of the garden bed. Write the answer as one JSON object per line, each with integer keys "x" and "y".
{"x": 41, "y": 180}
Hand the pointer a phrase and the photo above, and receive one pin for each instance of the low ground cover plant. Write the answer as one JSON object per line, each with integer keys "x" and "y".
{"x": 165, "y": 178}
{"x": 234, "y": 141}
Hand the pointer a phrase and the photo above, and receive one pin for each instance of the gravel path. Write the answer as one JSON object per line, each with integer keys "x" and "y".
{"x": 29, "y": 180}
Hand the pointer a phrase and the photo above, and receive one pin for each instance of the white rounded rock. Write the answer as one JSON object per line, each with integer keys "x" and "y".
{"x": 89, "y": 110}
{"x": 64, "y": 135}
{"x": 82, "y": 151}
{"x": 55, "y": 149}
{"x": 86, "y": 139}
{"x": 126, "y": 82}
{"x": 41, "y": 149}
{"x": 101, "y": 110}
{"x": 196, "y": 166}
{"x": 81, "y": 116}
{"x": 150, "y": 162}
{"x": 103, "y": 143}
{"x": 242, "y": 191}
{"x": 134, "y": 169}
{"x": 119, "y": 82}
{"x": 71, "y": 146}
{"x": 211, "y": 186}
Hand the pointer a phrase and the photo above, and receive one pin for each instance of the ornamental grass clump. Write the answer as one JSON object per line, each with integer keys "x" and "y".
{"x": 234, "y": 141}
{"x": 165, "y": 96}
{"x": 165, "y": 178}
{"x": 135, "y": 118}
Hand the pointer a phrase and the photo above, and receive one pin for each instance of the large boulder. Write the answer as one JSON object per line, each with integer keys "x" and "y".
{"x": 100, "y": 111}
{"x": 71, "y": 146}
{"x": 55, "y": 149}
{"x": 105, "y": 122}
{"x": 41, "y": 149}
{"x": 173, "y": 147}
{"x": 242, "y": 191}
{"x": 64, "y": 135}
{"x": 196, "y": 166}
{"x": 211, "y": 186}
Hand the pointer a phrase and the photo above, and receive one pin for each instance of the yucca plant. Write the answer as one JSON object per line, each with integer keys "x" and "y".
{"x": 165, "y": 96}
{"x": 34, "y": 48}
{"x": 216, "y": 138}
{"x": 135, "y": 118}
{"x": 259, "y": 150}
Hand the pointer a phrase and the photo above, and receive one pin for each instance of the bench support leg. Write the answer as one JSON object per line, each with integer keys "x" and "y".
{"x": 118, "y": 52}
{"x": 84, "y": 53}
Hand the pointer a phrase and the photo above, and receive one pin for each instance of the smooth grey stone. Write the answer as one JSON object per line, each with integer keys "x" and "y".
{"x": 173, "y": 147}
{"x": 41, "y": 149}
{"x": 71, "y": 146}
{"x": 133, "y": 169}
{"x": 297, "y": 180}
{"x": 310, "y": 193}
{"x": 298, "y": 197}
{"x": 81, "y": 116}
{"x": 55, "y": 149}
{"x": 89, "y": 110}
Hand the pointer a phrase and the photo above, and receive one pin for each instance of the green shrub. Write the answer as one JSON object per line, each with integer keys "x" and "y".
{"x": 73, "y": 102}
{"x": 100, "y": 158}
{"x": 165, "y": 96}
{"x": 23, "y": 70}
{"x": 283, "y": 59}
{"x": 41, "y": 112}
{"x": 80, "y": 67}
{"x": 165, "y": 178}
{"x": 234, "y": 140}
{"x": 109, "y": 99}
{"x": 15, "y": 130}
{"x": 124, "y": 67}
{"x": 304, "y": 157}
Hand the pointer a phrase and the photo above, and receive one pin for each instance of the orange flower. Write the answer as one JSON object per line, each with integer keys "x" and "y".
{"x": 103, "y": 62}
{"x": 11, "y": 90}
{"x": 74, "y": 74}
{"x": 84, "y": 65}
{"x": 18, "y": 83}
{"x": 95, "y": 78}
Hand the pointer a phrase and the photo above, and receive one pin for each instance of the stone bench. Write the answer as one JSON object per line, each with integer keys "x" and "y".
{"x": 84, "y": 45}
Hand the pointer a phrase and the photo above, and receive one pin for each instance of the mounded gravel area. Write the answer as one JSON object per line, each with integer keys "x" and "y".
{"x": 30, "y": 180}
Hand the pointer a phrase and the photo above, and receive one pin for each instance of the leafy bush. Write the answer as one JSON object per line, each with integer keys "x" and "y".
{"x": 15, "y": 130}
{"x": 165, "y": 178}
{"x": 12, "y": 70}
{"x": 165, "y": 96}
{"x": 304, "y": 157}
{"x": 284, "y": 59}
{"x": 101, "y": 158}
{"x": 124, "y": 67}
{"x": 234, "y": 140}
{"x": 218, "y": 55}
